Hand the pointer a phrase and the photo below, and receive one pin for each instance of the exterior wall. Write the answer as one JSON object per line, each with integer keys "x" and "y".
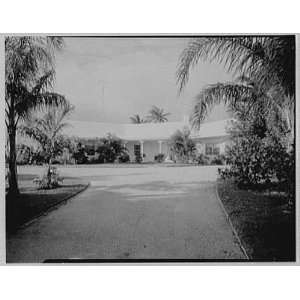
{"x": 221, "y": 142}
{"x": 151, "y": 148}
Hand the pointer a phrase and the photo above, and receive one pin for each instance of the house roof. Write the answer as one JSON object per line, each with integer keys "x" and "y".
{"x": 145, "y": 131}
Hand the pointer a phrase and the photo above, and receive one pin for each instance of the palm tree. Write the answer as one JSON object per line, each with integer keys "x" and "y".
{"x": 267, "y": 59}
{"x": 157, "y": 115}
{"x": 266, "y": 81}
{"x": 136, "y": 119}
{"x": 29, "y": 74}
{"x": 182, "y": 145}
{"x": 47, "y": 130}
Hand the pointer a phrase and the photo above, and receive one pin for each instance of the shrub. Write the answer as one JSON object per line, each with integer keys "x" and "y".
{"x": 255, "y": 161}
{"x": 138, "y": 158}
{"x": 202, "y": 159}
{"x": 110, "y": 149}
{"x": 159, "y": 157}
{"x": 80, "y": 155}
{"x": 220, "y": 159}
{"x": 50, "y": 179}
{"x": 124, "y": 157}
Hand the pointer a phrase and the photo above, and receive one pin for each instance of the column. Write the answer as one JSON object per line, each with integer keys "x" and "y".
{"x": 142, "y": 149}
{"x": 160, "y": 147}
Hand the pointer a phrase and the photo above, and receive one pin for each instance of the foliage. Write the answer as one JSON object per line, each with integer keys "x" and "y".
{"x": 219, "y": 159}
{"x": 202, "y": 159}
{"x": 270, "y": 60}
{"x": 24, "y": 154}
{"x": 265, "y": 83}
{"x": 182, "y": 146}
{"x": 124, "y": 157}
{"x": 47, "y": 130}
{"x": 259, "y": 161}
{"x": 80, "y": 155}
{"x": 159, "y": 157}
{"x": 157, "y": 115}
{"x": 50, "y": 179}
{"x": 29, "y": 74}
{"x": 110, "y": 149}
{"x": 137, "y": 119}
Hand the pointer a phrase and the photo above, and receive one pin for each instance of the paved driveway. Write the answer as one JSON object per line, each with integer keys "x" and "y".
{"x": 150, "y": 212}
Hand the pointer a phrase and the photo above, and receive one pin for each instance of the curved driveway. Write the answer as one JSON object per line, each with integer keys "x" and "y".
{"x": 146, "y": 212}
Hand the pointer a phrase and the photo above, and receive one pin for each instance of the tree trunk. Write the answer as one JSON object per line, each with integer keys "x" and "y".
{"x": 12, "y": 166}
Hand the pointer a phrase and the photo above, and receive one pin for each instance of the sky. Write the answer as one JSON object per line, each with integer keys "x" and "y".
{"x": 111, "y": 79}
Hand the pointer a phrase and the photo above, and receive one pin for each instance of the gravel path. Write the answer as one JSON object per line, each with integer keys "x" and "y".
{"x": 150, "y": 212}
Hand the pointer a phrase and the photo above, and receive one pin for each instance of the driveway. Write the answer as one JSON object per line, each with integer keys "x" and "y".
{"x": 142, "y": 212}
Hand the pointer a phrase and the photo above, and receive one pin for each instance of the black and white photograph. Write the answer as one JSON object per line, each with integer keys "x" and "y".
{"x": 126, "y": 148}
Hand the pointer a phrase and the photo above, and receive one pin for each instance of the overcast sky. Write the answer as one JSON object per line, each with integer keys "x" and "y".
{"x": 111, "y": 79}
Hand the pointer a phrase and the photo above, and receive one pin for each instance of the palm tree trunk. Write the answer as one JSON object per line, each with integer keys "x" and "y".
{"x": 12, "y": 166}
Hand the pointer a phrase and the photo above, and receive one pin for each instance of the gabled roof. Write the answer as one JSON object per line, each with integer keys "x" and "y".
{"x": 144, "y": 131}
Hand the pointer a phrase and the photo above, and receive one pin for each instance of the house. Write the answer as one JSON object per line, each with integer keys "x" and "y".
{"x": 150, "y": 139}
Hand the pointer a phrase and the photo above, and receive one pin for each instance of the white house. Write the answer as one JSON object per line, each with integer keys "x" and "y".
{"x": 150, "y": 139}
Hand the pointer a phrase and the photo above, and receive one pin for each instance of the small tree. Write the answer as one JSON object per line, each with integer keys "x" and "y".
{"x": 182, "y": 145}
{"x": 47, "y": 131}
{"x": 111, "y": 148}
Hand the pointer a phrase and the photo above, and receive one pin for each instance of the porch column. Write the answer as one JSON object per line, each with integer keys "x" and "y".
{"x": 142, "y": 148}
{"x": 160, "y": 146}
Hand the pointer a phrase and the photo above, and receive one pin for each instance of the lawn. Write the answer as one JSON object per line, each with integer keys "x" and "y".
{"x": 33, "y": 202}
{"x": 263, "y": 221}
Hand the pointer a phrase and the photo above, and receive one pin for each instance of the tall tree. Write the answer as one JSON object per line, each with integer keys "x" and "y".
{"x": 266, "y": 75}
{"x": 29, "y": 74}
{"x": 137, "y": 119}
{"x": 269, "y": 60}
{"x": 157, "y": 115}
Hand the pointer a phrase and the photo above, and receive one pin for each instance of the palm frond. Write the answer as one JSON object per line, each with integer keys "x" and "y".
{"x": 157, "y": 115}
{"x": 228, "y": 93}
{"x": 266, "y": 59}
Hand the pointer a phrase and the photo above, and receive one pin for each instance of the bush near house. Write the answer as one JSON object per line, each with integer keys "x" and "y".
{"x": 159, "y": 158}
{"x": 111, "y": 149}
{"x": 202, "y": 159}
{"x": 219, "y": 159}
{"x": 261, "y": 160}
{"x": 123, "y": 158}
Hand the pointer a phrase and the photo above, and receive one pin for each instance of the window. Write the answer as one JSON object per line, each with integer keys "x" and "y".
{"x": 212, "y": 149}
{"x": 137, "y": 150}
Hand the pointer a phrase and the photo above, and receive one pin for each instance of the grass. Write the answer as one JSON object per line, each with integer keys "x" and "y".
{"x": 263, "y": 221}
{"x": 33, "y": 202}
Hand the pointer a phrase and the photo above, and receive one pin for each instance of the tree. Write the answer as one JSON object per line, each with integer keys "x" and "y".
{"x": 111, "y": 149}
{"x": 29, "y": 74}
{"x": 270, "y": 60}
{"x": 136, "y": 119}
{"x": 182, "y": 145}
{"x": 157, "y": 115}
{"x": 265, "y": 84}
{"x": 47, "y": 130}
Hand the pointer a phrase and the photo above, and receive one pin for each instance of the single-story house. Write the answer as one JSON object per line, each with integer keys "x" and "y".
{"x": 150, "y": 139}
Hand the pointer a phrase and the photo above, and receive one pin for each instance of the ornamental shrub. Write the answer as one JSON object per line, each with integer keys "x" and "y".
{"x": 202, "y": 159}
{"x": 258, "y": 161}
{"x": 219, "y": 159}
{"x": 50, "y": 179}
{"x": 159, "y": 158}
